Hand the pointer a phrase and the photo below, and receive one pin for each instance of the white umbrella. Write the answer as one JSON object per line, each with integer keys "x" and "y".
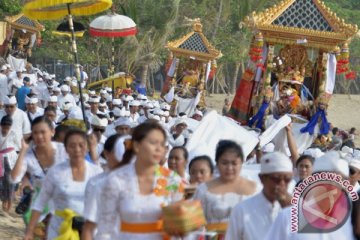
{"x": 112, "y": 25}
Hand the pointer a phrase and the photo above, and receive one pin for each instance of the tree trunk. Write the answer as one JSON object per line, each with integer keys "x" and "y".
{"x": 144, "y": 75}
{"x": 235, "y": 78}
{"x": 218, "y": 18}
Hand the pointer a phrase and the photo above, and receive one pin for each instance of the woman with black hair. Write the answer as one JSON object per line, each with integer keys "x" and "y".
{"x": 114, "y": 149}
{"x": 201, "y": 169}
{"x": 220, "y": 195}
{"x": 304, "y": 166}
{"x": 64, "y": 186}
{"x": 34, "y": 160}
{"x": 137, "y": 192}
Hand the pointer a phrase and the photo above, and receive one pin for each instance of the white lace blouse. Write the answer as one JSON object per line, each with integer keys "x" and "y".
{"x": 31, "y": 164}
{"x": 59, "y": 187}
{"x": 217, "y": 207}
{"x": 121, "y": 198}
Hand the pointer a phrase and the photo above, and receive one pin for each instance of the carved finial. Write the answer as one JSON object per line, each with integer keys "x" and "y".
{"x": 197, "y": 25}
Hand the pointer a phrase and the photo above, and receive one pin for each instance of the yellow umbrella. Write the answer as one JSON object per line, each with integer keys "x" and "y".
{"x": 55, "y": 9}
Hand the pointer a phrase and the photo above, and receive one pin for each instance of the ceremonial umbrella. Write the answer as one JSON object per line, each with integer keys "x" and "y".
{"x": 55, "y": 9}
{"x": 112, "y": 25}
{"x": 64, "y": 29}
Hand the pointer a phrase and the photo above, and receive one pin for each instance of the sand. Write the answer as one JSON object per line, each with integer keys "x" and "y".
{"x": 343, "y": 112}
{"x": 11, "y": 225}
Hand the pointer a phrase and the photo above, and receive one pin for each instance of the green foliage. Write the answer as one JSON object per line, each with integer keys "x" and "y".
{"x": 9, "y": 7}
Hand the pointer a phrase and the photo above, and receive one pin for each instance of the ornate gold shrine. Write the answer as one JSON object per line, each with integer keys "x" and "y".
{"x": 193, "y": 53}
{"x": 327, "y": 36}
{"x": 284, "y": 36}
{"x": 21, "y": 38}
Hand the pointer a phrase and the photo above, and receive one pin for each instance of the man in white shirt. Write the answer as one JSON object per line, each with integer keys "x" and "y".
{"x": 94, "y": 107}
{"x": 83, "y": 77}
{"x": 281, "y": 228}
{"x": 252, "y": 218}
{"x": 21, "y": 124}
{"x": 65, "y": 96}
{"x": 3, "y": 83}
{"x": 32, "y": 109}
{"x": 98, "y": 126}
{"x": 134, "y": 108}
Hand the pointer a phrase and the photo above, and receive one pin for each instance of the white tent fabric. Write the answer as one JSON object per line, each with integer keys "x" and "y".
{"x": 214, "y": 128}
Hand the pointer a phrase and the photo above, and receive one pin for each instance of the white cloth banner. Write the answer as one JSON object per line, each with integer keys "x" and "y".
{"x": 303, "y": 140}
{"x": 187, "y": 105}
{"x": 172, "y": 68}
{"x": 16, "y": 63}
{"x": 273, "y": 130}
{"x": 214, "y": 128}
{"x": 208, "y": 69}
{"x": 330, "y": 73}
{"x": 169, "y": 97}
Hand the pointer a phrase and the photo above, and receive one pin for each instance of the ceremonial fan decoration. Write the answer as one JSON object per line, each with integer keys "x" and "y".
{"x": 112, "y": 26}
{"x": 55, "y": 9}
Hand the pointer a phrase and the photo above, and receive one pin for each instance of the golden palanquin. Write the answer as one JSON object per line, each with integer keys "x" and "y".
{"x": 192, "y": 54}
{"x": 292, "y": 44}
{"x": 20, "y": 32}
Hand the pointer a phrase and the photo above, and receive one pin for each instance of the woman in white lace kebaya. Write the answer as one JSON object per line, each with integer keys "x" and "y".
{"x": 114, "y": 149}
{"x": 36, "y": 159}
{"x": 136, "y": 192}
{"x": 64, "y": 184}
{"x": 220, "y": 195}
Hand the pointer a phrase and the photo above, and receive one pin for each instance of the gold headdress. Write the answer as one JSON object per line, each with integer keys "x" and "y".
{"x": 291, "y": 75}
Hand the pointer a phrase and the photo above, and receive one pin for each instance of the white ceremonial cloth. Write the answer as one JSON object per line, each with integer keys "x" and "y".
{"x": 273, "y": 130}
{"x": 252, "y": 218}
{"x": 330, "y": 73}
{"x": 214, "y": 128}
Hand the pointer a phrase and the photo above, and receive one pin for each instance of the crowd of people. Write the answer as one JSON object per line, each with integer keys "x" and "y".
{"x": 109, "y": 176}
